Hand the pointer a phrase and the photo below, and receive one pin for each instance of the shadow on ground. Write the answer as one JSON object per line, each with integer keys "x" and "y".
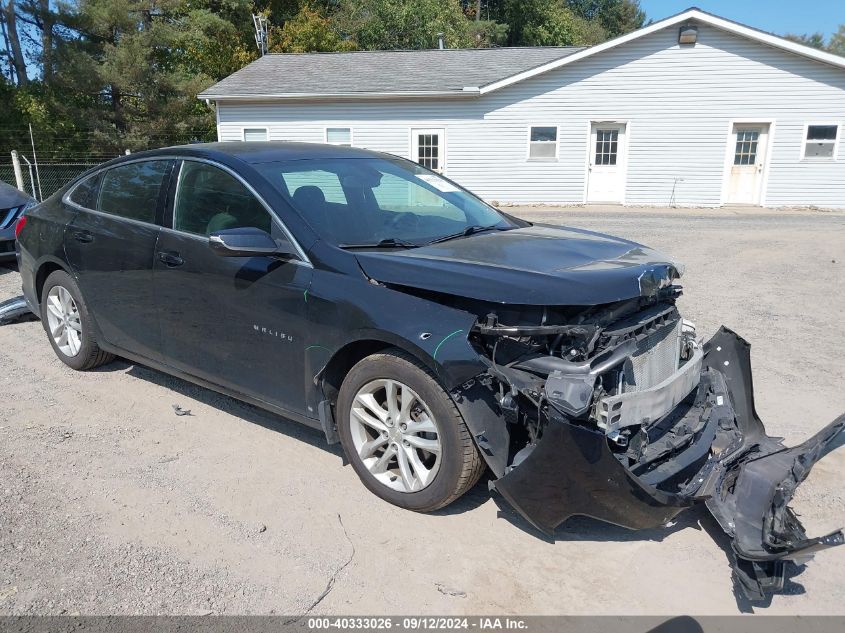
{"x": 243, "y": 410}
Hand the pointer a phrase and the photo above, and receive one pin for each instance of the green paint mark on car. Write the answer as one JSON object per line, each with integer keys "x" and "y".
{"x": 445, "y": 338}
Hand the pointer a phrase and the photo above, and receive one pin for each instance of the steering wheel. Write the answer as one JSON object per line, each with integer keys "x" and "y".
{"x": 403, "y": 221}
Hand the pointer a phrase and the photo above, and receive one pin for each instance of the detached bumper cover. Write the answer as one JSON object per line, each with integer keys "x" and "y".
{"x": 726, "y": 460}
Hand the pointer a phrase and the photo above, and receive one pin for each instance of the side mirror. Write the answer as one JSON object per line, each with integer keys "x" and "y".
{"x": 248, "y": 242}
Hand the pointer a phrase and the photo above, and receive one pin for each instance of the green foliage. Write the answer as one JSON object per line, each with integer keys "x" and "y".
{"x": 549, "y": 23}
{"x": 308, "y": 31}
{"x": 616, "y": 17}
{"x": 835, "y": 45}
{"x": 816, "y": 40}
{"x": 397, "y": 24}
{"x": 837, "y": 42}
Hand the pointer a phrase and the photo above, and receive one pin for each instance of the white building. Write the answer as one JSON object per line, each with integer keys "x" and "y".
{"x": 691, "y": 110}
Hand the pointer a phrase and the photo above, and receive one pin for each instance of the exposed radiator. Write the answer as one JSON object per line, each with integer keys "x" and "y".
{"x": 657, "y": 357}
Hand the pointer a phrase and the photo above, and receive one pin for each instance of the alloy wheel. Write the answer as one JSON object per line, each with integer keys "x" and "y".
{"x": 63, "y": 321}
{"x": 395, "y": 435}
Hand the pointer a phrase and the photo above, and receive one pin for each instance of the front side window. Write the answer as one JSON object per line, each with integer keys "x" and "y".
{"x": 357, "y": 201}
{"x": 132, "y": 191}
{"x": 339, "y": 136}
{"x": 543, "y": 143}
{"x": 85, "y": 193}
{"x": 821, "y": 141}
{"x": 209, "y": 199}
{"x": 255, "y": 134}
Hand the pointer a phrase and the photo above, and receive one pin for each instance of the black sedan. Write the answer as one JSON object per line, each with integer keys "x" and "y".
{"x": 434, "y": 336}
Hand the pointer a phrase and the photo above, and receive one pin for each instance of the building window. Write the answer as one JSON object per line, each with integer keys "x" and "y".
{"x": 607, "y": 146}
{"x": 339, "y": 136}
{"x": 820, "y": 141}
{"x": 255, "y": 134}
{"x": 543, "y": 143}
{"x": 745, "y": 152}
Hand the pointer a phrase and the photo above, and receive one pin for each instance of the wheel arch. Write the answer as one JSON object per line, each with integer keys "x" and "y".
{"x": 44, "y": 270}
{"x": 334, "y": 371}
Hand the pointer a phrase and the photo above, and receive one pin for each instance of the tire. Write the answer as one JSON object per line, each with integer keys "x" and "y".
{"x": 80, "y": 352}
{"x": 455, "y": 470}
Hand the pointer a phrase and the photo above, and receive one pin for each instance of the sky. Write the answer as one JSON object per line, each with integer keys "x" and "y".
{"x": 776, "y": 16}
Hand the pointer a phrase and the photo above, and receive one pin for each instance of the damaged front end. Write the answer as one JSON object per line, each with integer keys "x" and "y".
{"x": 617, "y": 412}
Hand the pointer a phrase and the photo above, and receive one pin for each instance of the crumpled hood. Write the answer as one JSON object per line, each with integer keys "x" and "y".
{"x": 535, "y": 265}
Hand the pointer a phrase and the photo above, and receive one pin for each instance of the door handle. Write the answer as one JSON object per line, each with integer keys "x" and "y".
{"x": 171, "y": 259}
{"x": 83, "y": 236}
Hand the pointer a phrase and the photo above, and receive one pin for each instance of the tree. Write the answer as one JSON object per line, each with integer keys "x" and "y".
{"x": 14, "y": 52}
{"x": 397, "y": 24}
{"x": 549, "y": 23}
{"x": 816, "y": 40}
{"x": 835, "y": 45}
{"x": 308, "y": 31}
{"x": 616, "y": 17}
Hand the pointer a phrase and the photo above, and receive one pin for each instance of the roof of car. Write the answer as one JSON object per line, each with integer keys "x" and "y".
{"x": 258, "y": 152}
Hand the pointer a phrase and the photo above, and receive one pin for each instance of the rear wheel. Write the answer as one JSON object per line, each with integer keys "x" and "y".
{"x": 68, "y": 323}
{"x": 403, "y": 434}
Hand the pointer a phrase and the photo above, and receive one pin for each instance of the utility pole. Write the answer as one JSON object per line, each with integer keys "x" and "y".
{"x": 35, "y": 160}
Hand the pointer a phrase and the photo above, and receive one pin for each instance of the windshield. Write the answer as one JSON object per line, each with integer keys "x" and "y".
{"x": 379, "y": 201}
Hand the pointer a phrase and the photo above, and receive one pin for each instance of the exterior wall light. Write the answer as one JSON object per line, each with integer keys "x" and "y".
{"x": 688, "y": 35}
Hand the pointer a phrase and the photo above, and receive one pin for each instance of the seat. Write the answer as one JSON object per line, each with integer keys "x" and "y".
{"x": 311, "y": 201}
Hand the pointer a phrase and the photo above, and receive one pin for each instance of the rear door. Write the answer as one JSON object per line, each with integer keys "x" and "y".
{"x": 110, "y": 245}
{"x": 238, "y": 322}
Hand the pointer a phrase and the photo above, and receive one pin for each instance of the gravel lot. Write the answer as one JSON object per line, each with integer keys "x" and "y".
{"x": 111, "y": 504}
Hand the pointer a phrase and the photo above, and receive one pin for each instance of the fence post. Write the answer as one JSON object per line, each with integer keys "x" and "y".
{"x": 16, "y": 164}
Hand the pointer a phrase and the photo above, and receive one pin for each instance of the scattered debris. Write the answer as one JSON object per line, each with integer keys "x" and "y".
{"x": 166, "y": 460}
{"x": 61, "y": 434}
{"x": 262, "y": 528}
{"x": 180, "y": 411}
{"x": 448, "y": 591}
{"x": 15, "y": 310}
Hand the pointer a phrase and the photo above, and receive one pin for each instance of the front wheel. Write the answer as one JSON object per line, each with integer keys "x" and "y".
{"x": 403, "y": 434}
{"x": 68, "y": 323}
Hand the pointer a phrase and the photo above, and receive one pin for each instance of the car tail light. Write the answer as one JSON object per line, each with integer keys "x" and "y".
{"x": 19, "y": 225}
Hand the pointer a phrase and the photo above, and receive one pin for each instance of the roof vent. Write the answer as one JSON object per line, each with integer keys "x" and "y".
{"x": 440, "y": 41}
{"x": 688, "y": 35}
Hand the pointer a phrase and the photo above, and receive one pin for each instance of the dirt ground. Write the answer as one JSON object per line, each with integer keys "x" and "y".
{"x": 111, "y": 504}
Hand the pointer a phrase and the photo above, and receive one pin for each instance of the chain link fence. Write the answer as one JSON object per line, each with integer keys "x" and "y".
{"x": 43, "y": 181}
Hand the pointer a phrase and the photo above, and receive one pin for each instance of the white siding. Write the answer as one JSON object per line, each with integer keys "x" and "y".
{"x": 678, "y": 102}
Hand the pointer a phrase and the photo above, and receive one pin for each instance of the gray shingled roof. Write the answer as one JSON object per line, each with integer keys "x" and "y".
{"x": 428, "y": 72}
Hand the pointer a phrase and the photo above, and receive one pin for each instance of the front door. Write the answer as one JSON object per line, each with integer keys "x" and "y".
{"x": 749, "y": 141}
{"x": 428, "y": 148}
{"x": 606, "y": 177}
{"x": 238, "y": 322}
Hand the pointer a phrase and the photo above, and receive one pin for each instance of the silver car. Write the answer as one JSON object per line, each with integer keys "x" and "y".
{"x": 13, "y": 202}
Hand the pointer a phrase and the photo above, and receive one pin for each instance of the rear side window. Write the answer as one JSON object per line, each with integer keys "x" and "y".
{"x": 85, "y": 193}
{"x": 131, "y": 191}
{"x": 209, "y": 199}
